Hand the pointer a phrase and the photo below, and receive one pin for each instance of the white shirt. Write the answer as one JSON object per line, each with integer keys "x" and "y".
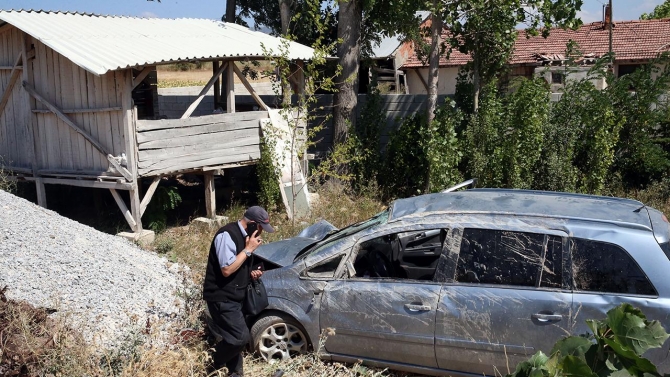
{"x": 226, "y": 250}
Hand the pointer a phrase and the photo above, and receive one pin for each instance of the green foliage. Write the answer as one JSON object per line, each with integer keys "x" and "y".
{"x": 661, "y": 11}
{"x": 421, "y": 157}
{"x": 365, "y": 151}
{"x": 614, "y": 349}
{"x": 442, "y": 148}
{"x": 165, "y": 199}
{"x": 269, "y": 196}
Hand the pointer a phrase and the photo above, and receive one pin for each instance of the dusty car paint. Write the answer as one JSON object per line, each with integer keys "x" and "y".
{"x": 440, "y": 326}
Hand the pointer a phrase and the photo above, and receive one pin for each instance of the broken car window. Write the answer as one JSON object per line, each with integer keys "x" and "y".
{"x": 325, "y": 269}
{"x": 509, "y": 258}
{"x": 410, "y": 255}
{"x": 380, "y": 218}
{"x": 604, "y": 267}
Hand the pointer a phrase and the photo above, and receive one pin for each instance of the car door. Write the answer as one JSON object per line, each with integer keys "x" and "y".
{"x": 505, "y": 299}
{"x": 376, "y": 311}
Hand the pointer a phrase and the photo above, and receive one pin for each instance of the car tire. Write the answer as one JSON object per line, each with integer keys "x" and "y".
{"x": 277, "y": 336}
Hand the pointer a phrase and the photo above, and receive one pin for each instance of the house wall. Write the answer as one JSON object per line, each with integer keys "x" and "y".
{"x": 69, "y": 87}
{"x": 15, "y": 138}
{"x": 446, "y": 84}
{"x": 569, "y": 74}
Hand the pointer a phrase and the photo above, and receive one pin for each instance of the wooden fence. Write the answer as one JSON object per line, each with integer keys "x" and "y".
{"x": 171, "y": 145}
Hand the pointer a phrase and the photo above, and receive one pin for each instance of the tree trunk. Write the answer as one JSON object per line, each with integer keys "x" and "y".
{"x": 433, "y": 75}
{"x": 231, "y": 6}
{"x": 434, "y": 62}
{"x": 348, "y": 53}
{"x": 285, "y": 15}
{"x": 477, "y": 86}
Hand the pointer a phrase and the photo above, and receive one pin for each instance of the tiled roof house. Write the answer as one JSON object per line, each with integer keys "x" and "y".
{"x": 633, "y": 42}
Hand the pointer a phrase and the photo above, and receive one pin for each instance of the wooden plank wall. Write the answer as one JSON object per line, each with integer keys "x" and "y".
{"x": 15, "y": 148}
{"x": 70, "y": 87}
{"x": 171, "y": 145}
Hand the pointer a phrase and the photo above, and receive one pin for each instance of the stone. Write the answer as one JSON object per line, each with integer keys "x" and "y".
{"x": 144, "y": 238}
{"x": 204, "y": 222}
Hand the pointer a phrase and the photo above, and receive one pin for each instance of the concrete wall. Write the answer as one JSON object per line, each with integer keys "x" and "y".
{"x": 446, "y": 84}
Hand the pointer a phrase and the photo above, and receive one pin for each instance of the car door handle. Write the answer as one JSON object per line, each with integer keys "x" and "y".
{"x": 547, "y": 317}
{"x": 417, "y": 308}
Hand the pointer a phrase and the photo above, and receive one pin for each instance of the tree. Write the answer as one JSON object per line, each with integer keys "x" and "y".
{"x": 661, "y": 11}
{"x": 486, "y": 29}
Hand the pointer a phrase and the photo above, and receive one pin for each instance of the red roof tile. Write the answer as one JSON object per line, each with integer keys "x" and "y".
{"x": 632, "y": 40}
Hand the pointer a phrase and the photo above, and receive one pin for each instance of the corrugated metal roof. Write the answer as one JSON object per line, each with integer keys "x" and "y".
{"x": 105, "y": 43}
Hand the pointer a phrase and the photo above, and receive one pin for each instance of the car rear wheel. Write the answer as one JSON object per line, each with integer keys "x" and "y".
{"x": 278, "y": 337}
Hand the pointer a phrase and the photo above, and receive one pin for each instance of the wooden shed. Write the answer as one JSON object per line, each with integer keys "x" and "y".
{"x": 67, "y": 114}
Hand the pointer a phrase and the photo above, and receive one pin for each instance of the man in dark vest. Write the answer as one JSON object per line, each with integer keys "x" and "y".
{"x": 226, "y": 279}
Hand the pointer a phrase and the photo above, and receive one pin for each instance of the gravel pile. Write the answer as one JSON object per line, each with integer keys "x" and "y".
{"x": 102, "y": 284}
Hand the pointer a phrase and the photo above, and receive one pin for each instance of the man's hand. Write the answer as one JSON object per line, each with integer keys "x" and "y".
{"x": 253, "y": 242}
{"x": 255, "y": 274}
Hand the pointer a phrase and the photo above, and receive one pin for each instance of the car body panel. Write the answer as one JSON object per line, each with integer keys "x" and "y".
{"x": 382, "y": 317}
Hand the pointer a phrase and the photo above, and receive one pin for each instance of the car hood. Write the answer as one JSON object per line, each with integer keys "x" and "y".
{"x": 283, "y": 252}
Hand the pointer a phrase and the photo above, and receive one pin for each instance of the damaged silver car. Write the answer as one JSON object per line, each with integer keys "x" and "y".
{"x": 464, "y": 283}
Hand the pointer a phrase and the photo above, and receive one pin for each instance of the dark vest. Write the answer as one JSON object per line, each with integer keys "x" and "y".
{"x": 232, "y": 288}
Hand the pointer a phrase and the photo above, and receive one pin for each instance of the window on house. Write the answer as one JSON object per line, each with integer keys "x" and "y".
{"x": 510, "y": 258}
{"x": 557, "y": 78}
{"x": 604, "y": 267}
{"x": 626, "y": 69}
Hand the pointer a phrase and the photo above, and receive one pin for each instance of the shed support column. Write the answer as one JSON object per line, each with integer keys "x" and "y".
{"x": 230, "y": 87}
{"x": 210, "y": 195}
{"x": 41, "y": 192}
{"x": 217, "y": 84}
{"x": 136, "y": 207}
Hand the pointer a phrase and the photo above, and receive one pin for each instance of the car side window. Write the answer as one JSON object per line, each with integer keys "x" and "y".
{"x": 325, "y": 269}
{"x": 409, "y": 255}
{"x": 607, "y": 268}
{"x": 501, "y": 257}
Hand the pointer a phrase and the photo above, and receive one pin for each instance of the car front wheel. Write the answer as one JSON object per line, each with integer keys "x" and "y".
{"x": 278, "y": 337}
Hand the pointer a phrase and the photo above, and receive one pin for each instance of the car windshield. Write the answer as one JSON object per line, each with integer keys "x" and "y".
{"x": 380, "y": 218}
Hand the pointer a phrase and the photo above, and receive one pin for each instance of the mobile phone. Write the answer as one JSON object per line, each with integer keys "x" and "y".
{"x": 260, "y": 267}
{"x": 251, "y": 228}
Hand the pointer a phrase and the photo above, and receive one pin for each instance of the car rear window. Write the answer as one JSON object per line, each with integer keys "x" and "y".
{"x": 607, "y": 268}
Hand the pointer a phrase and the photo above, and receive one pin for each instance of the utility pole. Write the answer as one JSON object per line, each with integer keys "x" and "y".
{"x": 611, "y": 21}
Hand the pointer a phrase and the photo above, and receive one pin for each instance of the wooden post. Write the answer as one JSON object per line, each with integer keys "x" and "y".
{"x": 149, "y": 194}
{"x": 30, "y": 122}
{"x": 203, "y": 93}
{"x": 126, "y": 88}
{"x": 124, "y": 209}
{"x": 250, "y": 89}
{"x": 210, "y": 195}
{"x": 217, "y": 84}
{"x": 230, "y": 86}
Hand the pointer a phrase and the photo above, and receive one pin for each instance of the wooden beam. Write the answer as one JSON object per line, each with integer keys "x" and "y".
{"x": 9, "y": 67}
{"x": 82, "y": 183}
{"x": 143, "y": 75}
{"x": 125, "y": 173}
{"x": 65, "y": 118}
{"x": 230, "y": 89}
{"x": 135, "y": 207}
{"x": 81, "y": 111}
{"x": 27, "y": 49}
{"x": 41, "y": 192}
{"x": 124, "y": 209}
{"x": 210, "y": 195}
{"x": 203, "y": 92}
{"x": 149, "y": 194}
{"x": 13, "y": 78}
{"x": 251, "y": 90}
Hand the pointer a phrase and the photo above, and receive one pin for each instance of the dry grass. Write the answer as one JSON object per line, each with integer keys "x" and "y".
{"x": 169, "y": 76}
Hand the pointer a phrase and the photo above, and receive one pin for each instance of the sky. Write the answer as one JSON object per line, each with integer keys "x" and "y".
{"x": 214, "y": 9}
